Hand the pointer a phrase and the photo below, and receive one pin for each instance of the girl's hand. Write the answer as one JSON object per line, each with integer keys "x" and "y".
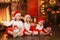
{"x": 30, "y": 31}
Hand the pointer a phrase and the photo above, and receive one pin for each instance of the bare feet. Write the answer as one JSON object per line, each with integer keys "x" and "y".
{"x": 26, "y": 33}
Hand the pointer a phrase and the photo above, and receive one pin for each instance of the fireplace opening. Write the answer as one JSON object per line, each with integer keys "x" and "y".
{"x": 5, "y": 13}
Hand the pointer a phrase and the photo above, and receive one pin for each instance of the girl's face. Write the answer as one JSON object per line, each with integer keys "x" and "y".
{"x": 28, "y": 19}
{"x": 18, "y": 17}
{"x": 41, "y": 22}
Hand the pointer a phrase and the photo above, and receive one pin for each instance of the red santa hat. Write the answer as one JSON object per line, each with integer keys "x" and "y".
{"x": 16, "y": 13}
{"x": 40, "y": 19}
{"x": 26, "y": 17}
{"x": 48, "y": 9}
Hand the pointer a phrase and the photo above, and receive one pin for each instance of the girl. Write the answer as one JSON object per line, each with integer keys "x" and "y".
{"x": 17, "y": 26}
{"x": 27, "y": 24}
{"x": 40, "y": 27}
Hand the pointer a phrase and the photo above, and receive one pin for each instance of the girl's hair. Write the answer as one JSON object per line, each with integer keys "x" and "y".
{"x": 32, "y": 19}
{"x": 22, "y": 20}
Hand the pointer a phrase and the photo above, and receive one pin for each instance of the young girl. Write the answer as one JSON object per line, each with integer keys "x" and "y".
{"x": 40, "y": 27}
{"x": 27, "y": 24}
{"x": 17, "y": 26}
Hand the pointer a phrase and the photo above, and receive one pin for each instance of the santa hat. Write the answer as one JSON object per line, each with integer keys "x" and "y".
{"x": 26, "y": 17}
{"x": 40, "y": 19}
{"x": 48, "y": 9}
{"x": 16, "y": 13}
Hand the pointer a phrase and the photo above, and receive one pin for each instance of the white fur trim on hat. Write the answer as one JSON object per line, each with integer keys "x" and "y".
{"x": 17, "y": 14}
{"x": 26, "y": 17}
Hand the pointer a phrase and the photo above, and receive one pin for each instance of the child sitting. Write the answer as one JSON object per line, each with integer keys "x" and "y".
{"x": 40, "y": 27}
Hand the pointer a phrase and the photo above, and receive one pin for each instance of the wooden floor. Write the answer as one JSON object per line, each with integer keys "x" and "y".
{"x": 55, "y": 36}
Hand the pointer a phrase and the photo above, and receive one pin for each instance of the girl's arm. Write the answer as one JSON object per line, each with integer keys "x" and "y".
{"x": 8, "y": 23}
{"x": 27, "y": 29}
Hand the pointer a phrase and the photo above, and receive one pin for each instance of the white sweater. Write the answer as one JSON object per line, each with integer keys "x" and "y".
{"x": 19, "y": 24}
{"x": 27, "y": 26}
{"x": 39, "y": 27}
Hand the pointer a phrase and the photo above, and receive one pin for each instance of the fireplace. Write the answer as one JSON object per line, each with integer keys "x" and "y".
{"x": 4, "y": 11}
